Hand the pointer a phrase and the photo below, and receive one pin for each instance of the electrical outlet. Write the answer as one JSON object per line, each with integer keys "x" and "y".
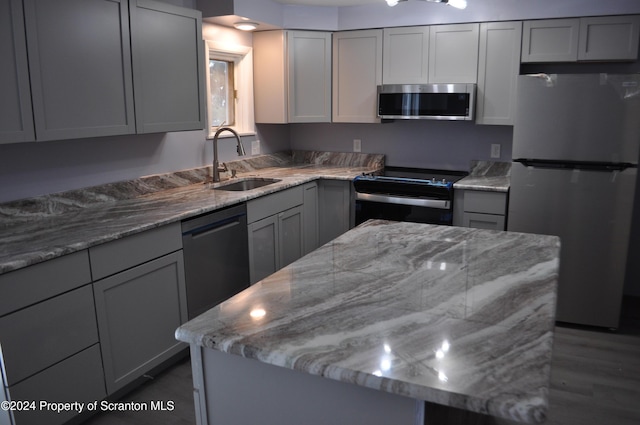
{"x": 495, "y": 150}
{"x": 255, "y": 147}
{"x": 357, "y": 145}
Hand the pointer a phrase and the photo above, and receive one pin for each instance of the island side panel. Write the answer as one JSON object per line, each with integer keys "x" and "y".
{"x": 231, "y": 389}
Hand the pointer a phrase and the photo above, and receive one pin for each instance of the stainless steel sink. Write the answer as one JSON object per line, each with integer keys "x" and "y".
{"x": 246, "y": 184}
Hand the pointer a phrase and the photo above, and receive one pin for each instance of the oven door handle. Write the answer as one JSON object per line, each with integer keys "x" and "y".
{"x": 417, "y": 202}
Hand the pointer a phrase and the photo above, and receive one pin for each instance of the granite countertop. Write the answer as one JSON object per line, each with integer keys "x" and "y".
{"x": 39, "y": 229}
{"x": 456, "y": 316}
{"x": 486, "y": 176}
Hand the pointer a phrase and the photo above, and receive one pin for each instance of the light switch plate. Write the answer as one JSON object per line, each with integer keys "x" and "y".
{"x": 255, "y": 147}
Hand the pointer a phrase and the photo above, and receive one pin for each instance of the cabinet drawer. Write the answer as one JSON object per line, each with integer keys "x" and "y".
{"x": 483, "y": 221}
{"x": 122, "y": 254}
{"x": 37, "y": 337}
{"x": 36, "y": 283}
{"x": 263, "y": 207}
{"x": 485, "y": 202}
{"x": 78, "y": 378}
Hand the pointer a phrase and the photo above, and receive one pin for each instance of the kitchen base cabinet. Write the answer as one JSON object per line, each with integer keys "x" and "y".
{"x": 140, "y": 301}
{"x": 76, "y": 379}
{"x": 310, "y": 217}
{"x": 138, "y": 311}
{"x": 336, "y": 215}
{"x": 49, "y": 337}
{"x": 480, "y": 209}
{"x": 275, "y": 228}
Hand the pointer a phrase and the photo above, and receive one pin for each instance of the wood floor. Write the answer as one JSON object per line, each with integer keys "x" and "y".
{"x": 595, "y": 379}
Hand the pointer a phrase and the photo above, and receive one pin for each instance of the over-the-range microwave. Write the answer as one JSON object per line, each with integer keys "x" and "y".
{"x": 427, "y": 101}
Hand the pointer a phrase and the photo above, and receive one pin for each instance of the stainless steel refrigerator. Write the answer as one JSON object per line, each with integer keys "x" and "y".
{"x": 575, "y": 154}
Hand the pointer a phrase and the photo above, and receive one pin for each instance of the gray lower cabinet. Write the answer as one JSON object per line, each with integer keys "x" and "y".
{"x": 16, "y": 119}
{"x": 275, "y": 231}
{"x": 335, "y": 208}
{"x": 139, "y": 308}
{"x": 480, "y": 209}
{"x": 310, "y": 217}
{"x": 49, "y": 338}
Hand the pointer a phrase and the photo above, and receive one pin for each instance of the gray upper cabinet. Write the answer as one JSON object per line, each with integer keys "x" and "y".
{"x": 551, "y": 40}
{"x": 168, "y": 67}
{"x": 405, "y": 58}
{"x": 80, "y": 68}
{"x": 16, "y": 122}
{"x": 609, "y": 38}
{"x": 602, "y": 38}
{"x": 292, "y": 76}
{"x": 357, "y": 72}
{"x": 498, "y": 69}
{"x": 453, "y": 53}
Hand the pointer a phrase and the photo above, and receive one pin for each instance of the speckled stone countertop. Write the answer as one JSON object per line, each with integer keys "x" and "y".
{"x": 486, "y": 176}
{"x": 456, "y": 316}
{"x": 38, "y": 229}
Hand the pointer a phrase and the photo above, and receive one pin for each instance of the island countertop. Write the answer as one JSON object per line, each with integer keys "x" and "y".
{"x": 455, "y": 316}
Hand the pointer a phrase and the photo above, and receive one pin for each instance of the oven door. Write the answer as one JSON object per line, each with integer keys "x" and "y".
{"x": 417, "y": 210}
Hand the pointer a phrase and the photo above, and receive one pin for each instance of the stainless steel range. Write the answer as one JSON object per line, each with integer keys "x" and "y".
{"x": 406, "y": 194}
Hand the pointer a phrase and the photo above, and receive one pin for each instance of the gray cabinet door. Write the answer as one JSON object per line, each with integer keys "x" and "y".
{"x": 168, "y": 66}
{"x": 290, "y": 235}
{"x": 310, "y": 217}
{"x": 609, "y": 38}
{"x": 263, "y": 248}
{"x": 16, "y": 122}
{"x": 80, "y": 68}
{"x": 552, "y": 40}
{"x": 309, "y": 60}
{"x": 498, "y": 69}
{"x": 334, "y": 206}
{"x": 138, "y": 312}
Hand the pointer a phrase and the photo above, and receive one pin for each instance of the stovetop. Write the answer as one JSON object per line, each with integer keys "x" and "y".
{"x": 415, "y": 182}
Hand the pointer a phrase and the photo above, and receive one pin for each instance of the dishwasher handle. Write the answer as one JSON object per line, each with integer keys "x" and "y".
{"x": 214, "y": 227}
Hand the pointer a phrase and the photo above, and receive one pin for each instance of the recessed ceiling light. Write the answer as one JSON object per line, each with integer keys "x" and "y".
{"x": 245, "y": 26}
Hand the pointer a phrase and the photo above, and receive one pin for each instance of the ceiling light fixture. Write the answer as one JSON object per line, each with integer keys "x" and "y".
{"x": 245, "y": 26}
{"x": 458, "y": 4}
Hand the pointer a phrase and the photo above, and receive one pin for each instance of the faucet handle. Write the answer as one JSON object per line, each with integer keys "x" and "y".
{"x": 223, "y": 167}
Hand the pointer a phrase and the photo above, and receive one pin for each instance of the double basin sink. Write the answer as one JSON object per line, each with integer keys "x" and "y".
{"x": 245, "y": 184}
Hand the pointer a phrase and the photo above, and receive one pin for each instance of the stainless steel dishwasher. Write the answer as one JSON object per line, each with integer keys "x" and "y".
{"x": 216, "y": 257}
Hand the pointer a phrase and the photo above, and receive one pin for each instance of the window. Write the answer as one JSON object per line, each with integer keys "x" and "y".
{"x": 222, "y": 109}
{"x": 229, "y": 87}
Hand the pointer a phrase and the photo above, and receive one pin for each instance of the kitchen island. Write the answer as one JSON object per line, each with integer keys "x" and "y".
{"x": 390, "y": 323}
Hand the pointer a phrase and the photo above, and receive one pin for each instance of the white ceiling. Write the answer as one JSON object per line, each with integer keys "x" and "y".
{"x": 330, "y": 2}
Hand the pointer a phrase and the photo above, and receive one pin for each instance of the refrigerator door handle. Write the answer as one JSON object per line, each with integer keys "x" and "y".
{"x": 576, "y": 165}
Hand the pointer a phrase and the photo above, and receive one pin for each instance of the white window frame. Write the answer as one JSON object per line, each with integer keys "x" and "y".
{"x": 242, "y": 58}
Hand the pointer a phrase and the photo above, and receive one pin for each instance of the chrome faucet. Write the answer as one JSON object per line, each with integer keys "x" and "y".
{"x": 216, "y": 164}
